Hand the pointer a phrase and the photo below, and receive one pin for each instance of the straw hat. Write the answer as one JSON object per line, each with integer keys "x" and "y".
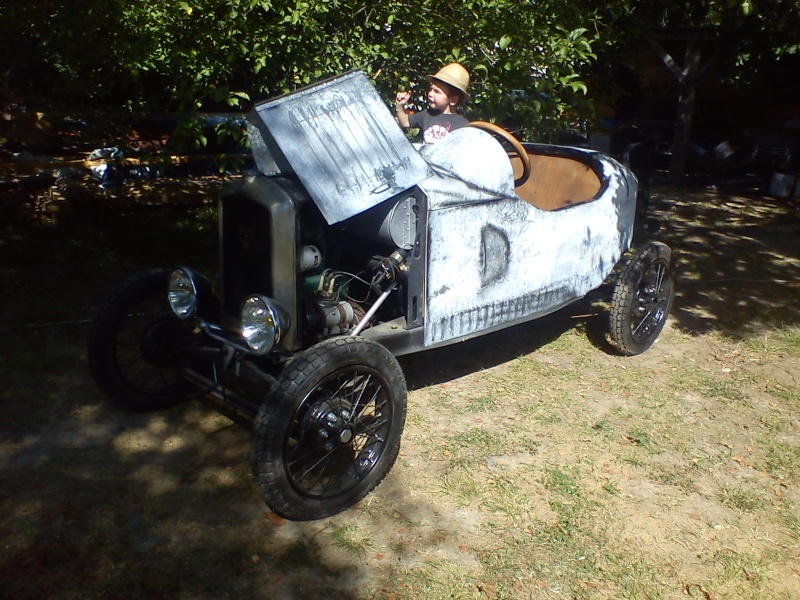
{"x": 454, "y": 75}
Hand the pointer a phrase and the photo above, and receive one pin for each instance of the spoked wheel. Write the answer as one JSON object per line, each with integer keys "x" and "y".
{"x": 330, "y": 431}
{"x": 642, "y": 298}
{"x": 134, "y": 344}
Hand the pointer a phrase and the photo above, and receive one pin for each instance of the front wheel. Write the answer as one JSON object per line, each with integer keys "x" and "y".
{"x": 134, "y": 344}
{"x": 330, "y": 430}
{"x": 642, "y": 297}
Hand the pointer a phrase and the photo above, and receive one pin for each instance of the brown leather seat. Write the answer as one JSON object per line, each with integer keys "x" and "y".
{"x": 556, "y": 182}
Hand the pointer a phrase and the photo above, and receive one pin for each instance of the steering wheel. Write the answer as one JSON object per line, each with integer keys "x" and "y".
{"x": 506, "y": 136}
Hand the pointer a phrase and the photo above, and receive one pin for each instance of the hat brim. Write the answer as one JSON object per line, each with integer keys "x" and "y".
{"x": 453, "y": 84}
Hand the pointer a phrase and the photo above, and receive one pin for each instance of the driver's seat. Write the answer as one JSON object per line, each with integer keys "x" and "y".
{"x": 555, "y": 181}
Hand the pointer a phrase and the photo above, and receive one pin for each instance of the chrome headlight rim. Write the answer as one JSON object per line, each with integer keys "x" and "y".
{"x": 263, "y": 322}
{"x": 183, "y": 293}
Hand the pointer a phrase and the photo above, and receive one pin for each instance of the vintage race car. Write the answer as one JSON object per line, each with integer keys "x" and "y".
{"x": 350, "y": 247}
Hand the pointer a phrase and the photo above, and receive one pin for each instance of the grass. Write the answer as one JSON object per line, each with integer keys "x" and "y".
{"x": 740, "y": 499}
{"x": 554, "y": 471}
{"x": 352, "y": 539}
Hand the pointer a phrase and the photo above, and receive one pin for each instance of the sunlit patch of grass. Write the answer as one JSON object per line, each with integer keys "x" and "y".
{"x": 637, "y": 580}
{"x": 562, "y": 482}
{"x": 440, "y": 579}
{"x": 504, "y": 495}
{"x": 573, "y": 510}
{"x": 415, "y": 420}
{"x": 604, "y": 428}
{"x": 542, "y": 413}
{"x": 740, "y": 499}
{"x": 791, "y": 394}
{"x": 460, "y": 485}
{"x": 775, "y": 422}
{"x": 476, "y": 442}
{"x": 526, "y": 565}
{"x": 481, "y": 404}
{"x": 724, "y": 386}
{"x": 792, "y": 524}
{"x": 638, "y": 437}
{"x": 785, "y": 341}
{"x": 526, "y": 370}
{"x": 352, "y": 538}
{"x": 740, "y": 571}
{"x": 677, "y": 477}
{"x": 782, "y": 459}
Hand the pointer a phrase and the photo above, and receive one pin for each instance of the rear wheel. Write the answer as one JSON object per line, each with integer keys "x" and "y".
{"x": 330, "y": 431}
{"x": 134, "y": 344}
{"x": 642, "y": 297}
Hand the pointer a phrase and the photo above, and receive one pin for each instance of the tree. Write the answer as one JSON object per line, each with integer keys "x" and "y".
{"x": 220, "y": 54}
{"x": 539, "y": 61}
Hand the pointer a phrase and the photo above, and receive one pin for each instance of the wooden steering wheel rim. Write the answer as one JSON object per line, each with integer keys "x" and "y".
{"x": 505, "y": 135}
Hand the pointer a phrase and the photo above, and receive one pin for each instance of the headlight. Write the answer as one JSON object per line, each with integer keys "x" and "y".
{"x": 185, "y": 292}
{"x": 263, "y": 322}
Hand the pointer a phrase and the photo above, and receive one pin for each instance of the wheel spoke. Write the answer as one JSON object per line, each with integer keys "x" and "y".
{"x": 373, "y": 427}
{"x": 662, "y": 271}
{"x": 320, "y": 460}
{"x": 331, "y": 430}
{"x": 361, "y": 395}
{"x": 642, "y": 322}
{"x": 301, "y": 476}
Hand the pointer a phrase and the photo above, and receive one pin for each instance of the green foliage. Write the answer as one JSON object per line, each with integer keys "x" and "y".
{"x": 534, "y": 64}
{"x": 221, "y": 54}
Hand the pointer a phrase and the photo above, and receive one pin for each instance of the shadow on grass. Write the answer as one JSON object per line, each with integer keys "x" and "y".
{"x": 738, "y": 260}
{"x": 436, "y": 366}
{"x": 86, "y": 518}
{"x": 100, "y": 503}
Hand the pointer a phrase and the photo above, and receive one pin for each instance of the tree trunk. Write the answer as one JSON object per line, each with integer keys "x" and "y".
{"x": 686, "y": 104}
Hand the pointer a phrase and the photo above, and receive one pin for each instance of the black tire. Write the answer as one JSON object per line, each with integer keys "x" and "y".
{"x": 330, "y": 431}
{"x": 134, "y": 343}
{"x": 642, "y": 298}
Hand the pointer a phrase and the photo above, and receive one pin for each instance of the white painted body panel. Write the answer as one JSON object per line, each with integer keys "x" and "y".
{"x": 493, "y": 258}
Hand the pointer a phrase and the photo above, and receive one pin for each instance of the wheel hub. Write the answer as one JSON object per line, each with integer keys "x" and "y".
{"x": 648, "y": 310}
{"x": 331, "y": 420}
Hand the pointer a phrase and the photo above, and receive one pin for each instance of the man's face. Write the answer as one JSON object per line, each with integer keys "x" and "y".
{"x": 439, "y": 98}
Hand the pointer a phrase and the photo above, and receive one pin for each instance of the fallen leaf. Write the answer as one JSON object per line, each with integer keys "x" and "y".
{"x": 274, "y": 519}
{"x": 380, "y": 556}
{"x": 463, "y": 548}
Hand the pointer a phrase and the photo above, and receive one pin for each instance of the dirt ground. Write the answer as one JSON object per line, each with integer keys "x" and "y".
{"x": 534, "y": 464}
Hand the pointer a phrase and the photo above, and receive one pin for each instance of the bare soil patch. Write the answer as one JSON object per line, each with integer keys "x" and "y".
{"x": 534, "y": 463}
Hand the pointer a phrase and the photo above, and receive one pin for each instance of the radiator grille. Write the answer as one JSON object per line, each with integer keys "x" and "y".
{"x": 245, "y": 249}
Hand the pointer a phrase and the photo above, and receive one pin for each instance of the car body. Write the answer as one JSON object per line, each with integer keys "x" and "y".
{"x": 349, "y": 247}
